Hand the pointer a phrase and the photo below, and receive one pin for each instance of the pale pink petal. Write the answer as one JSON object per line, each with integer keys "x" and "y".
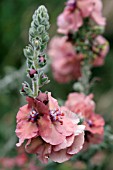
{"x": 69, "y": 22}
{"x": 26, "y": 130}
{"x": 77, "y": 144}
{"x": 49, "y": 133}
{"x": 79, "y": 129}
{"x": 67, "y": 142}
{"x": 23, "y": 113}
{"x": 97, "y": 13}
{"x": 43, "y": 152}
{"x": 78, "y": 20}
{"x": 53, "y": 103}
{"x": 60, "y": 156}
{"x": 67, "y": 128}
{"x": 70, "y": 115}
{"x": 98, "y": 18}
{"x": 63, "y": 145}
{"x": 86, "y": 7}
{"x": 70, "y": 140}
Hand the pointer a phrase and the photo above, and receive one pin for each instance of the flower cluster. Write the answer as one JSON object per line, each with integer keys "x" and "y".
{"x": 84, "y": 106}
{"x": 51, "y": 132}
{"x": 76, "y": 11}
{"x": 82, "y": 41}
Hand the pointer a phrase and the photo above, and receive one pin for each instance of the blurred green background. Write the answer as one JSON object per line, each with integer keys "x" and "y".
{"x": 15, "y": 18}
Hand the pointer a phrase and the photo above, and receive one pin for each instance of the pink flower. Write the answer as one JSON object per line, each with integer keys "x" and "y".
{"x": 69, "y": 21}
{"x": 104, "y": 49}
{"x": 84, "y": 106}
{"x": 96, "y": 13}
{"x": 74, "y": 13}
{"x": 66, "y": 63}
{"x": 44, "y": 125}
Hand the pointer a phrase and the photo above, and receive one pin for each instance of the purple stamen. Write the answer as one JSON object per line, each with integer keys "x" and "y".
{"x": 56, "y": 115}
{"x": 33, "y": 116}
{"x": 90, "y": 123}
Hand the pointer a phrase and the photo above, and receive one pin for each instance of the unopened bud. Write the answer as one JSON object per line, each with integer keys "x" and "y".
{"x": 42, "y": 60}
{"x": 32, "y": 72}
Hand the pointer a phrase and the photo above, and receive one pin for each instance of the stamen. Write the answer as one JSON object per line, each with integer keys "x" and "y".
{"x": 33, "y": 116}
{"x": 56, "y": 115}
{"x": 90, "y": 123}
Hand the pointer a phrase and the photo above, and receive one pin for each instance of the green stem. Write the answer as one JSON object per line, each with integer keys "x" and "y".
{"x": 86, "y": 74}
{"x": 34, "y": 86}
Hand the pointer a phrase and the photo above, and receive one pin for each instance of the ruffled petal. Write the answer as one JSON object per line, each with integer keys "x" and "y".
{"x": 53, "y": 104}
{"x": 67, "y": 142}
{"x": 69, "y": 119}
{"x": 79, "y": 129}
{"x": 86, "y": 7}
{"x": 67, "y": 128}
{"x": 26, "y": 130}
{"x": 60, "y": 156}
{"x": 48, "y": 132}
{"x": 43, "y": 152}
{"x": 23, "y": 113}
{"x": 77, "y": 144}
{"x": 33, "y": 145}
{"x": 98, "y": 18}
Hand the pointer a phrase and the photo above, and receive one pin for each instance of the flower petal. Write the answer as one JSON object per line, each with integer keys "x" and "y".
{"x": 60, "y": 156}
{"x": 43, "y": 152}
{"x": 48, "y": 132}
{"x": 33, "y": 145}
{"x": 77, "y": 144}
{"x": 26, "y": 130}
{"x": 67, "y": 142}
{"x": 23, "y": 113}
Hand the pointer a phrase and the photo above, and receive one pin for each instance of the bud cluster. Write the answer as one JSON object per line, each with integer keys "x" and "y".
{"x": 35, "y": 52}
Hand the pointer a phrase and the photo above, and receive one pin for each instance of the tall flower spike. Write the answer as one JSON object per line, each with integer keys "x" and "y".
{"x": 35, "y": 51}
{"x": 42, "y": 123}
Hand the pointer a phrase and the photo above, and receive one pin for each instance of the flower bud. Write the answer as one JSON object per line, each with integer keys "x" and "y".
{"x": 32, "y": 72}
{"x": 42, "y": 60}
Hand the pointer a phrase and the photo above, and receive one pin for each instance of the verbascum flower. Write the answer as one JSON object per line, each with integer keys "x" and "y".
{"x": 76, "y": 11}
{"x": 101, "y": 49}
{"x": 49, "y": 130}
{"x": 66, "y": 63}
{"x": 84, "y": 106}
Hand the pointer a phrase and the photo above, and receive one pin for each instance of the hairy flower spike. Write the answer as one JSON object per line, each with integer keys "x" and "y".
{"x": 35, "y": 51}
{"x": 38, "y": 35}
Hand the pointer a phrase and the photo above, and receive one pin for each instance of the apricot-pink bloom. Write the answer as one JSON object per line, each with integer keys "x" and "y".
{"x": 69, "y": 21}
{"x": 50, "y": 131}
{"x": 66, "y": 63}
{"x": 100, "y": 56}
{"x": 84, "y": 106}
{"x": 81, "y": 104}
{"x": 74, "y": 13}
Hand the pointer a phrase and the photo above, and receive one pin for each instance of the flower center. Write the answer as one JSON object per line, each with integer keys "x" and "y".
{"x": 33, "y": 116}
{"x": 56, "y": 115}
{"x": 90, "y": 123}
